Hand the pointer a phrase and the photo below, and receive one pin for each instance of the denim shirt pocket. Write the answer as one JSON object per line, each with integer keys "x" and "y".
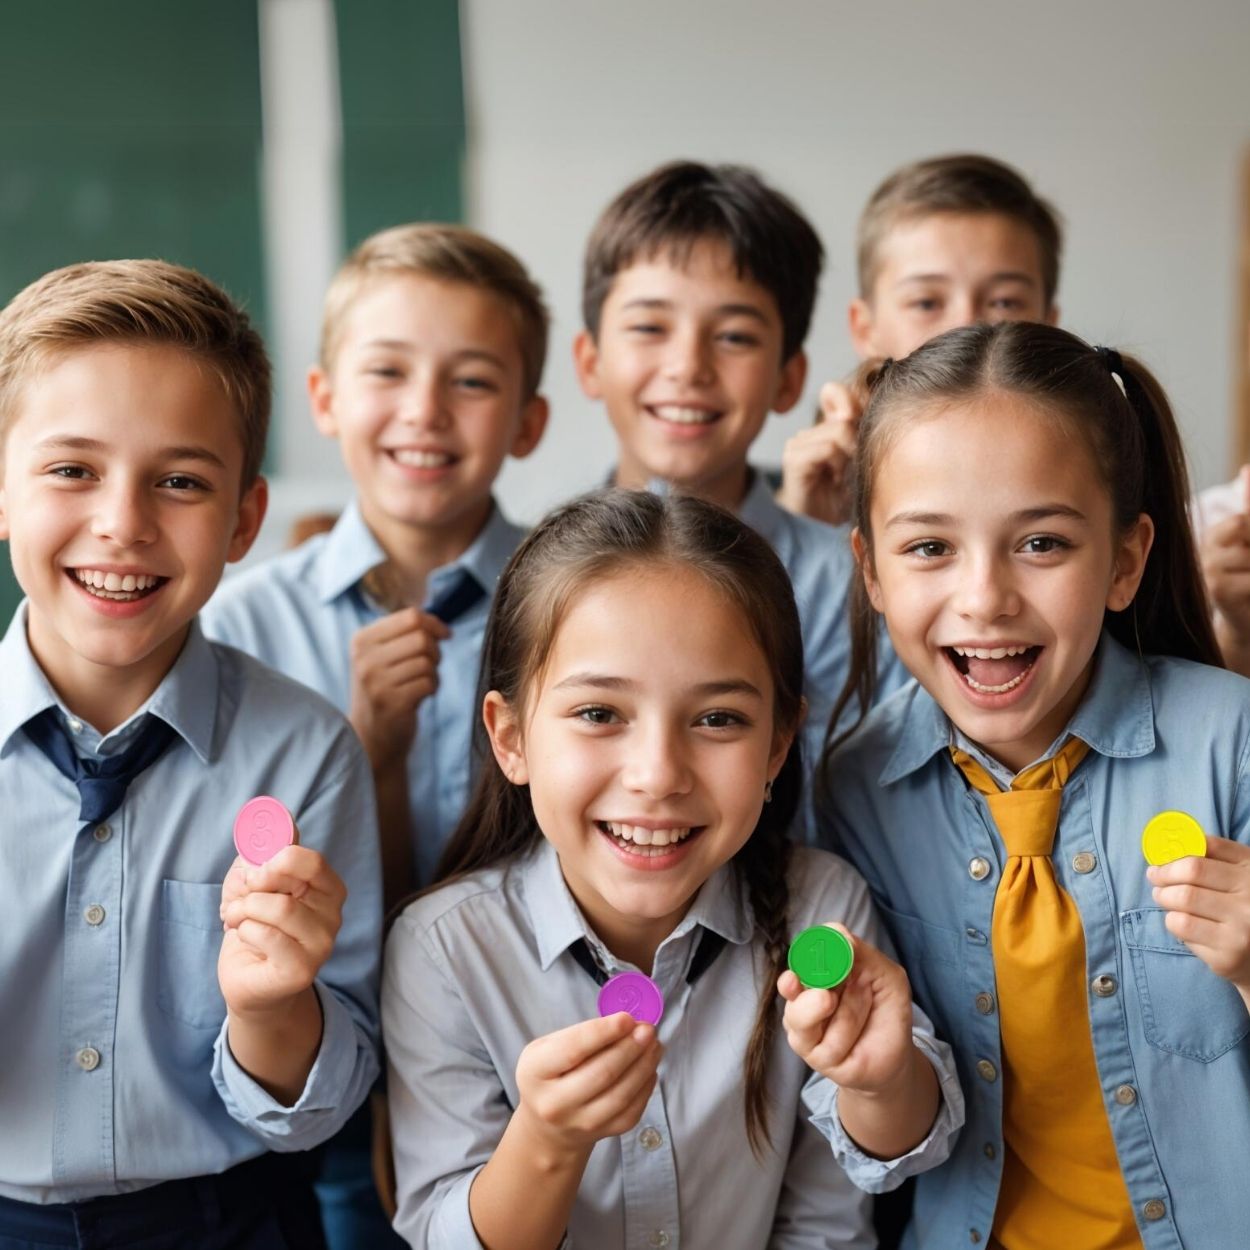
{"x": 187, "y": 988}
{"x": 929, "y": 953}
{"x": 1186, "y": 1008}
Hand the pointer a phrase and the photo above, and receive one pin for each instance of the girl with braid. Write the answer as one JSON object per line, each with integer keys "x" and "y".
{"x": 643, "y": 667}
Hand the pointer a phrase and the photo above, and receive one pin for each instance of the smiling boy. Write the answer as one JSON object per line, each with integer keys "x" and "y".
{"x": 159, "y": 1058}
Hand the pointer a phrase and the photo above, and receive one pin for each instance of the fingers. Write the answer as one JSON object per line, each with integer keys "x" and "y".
{"x": 1243, "y": 479}
{"x": 840, "y": 406}
{"x": 401, "y": 624}
{"x": 296, "y": 874}
{"x": 562, "y": 1051}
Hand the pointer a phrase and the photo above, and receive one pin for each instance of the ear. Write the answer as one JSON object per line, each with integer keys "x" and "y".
{"x": 1130, "y": 563}
{"x": 863, "y": 558}
{"x": 504, "y": 730}
{"x": 790, "y": 382}
{"x": 586, "y": 363}
{"x": 530, "y": 430}
{"x": 321, "y": 402}
{"x": 782, "y": 742}
{"x": 252, "y": 508}
{"x": 860, "y": 323}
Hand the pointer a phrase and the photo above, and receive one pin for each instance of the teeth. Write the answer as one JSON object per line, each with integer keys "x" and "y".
{"x": 116, "y": 585}
{"x": 645, "y": 837}
{"x": 684, "y": 416}
{"x": 422, "y": 459}
{"x": 989, "y": 653}
{"x": 1010, "y": 685}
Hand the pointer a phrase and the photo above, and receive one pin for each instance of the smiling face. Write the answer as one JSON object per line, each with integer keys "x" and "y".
{"x": 426, "y": 397}
{"x": 688, "y": 363}
{"x": 121, "y": 503}
{"x": 993, "y": 556}
{"x": 943, "y": 270}
{"x": 646, "y": 743}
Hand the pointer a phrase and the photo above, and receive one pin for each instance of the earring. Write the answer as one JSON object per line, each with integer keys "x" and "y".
{"x": 768, "y": 792}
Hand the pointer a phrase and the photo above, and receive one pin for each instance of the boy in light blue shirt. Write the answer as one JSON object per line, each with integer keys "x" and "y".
{"x": 167, "y": 1031}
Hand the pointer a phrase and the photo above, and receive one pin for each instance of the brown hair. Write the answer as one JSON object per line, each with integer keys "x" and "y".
{"x": 594, "y": 537}
{"x": 963, "y": 183}
{"x": 1131, "y": 434}
{"x": 139, "y": 302}
{"x": 677, "y": 206}
{"x": 445, "y": 253}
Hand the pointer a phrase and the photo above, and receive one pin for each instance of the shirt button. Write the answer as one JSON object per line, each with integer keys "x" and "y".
{"x": 974, "y": 1235}
{"x": 1085, "y": 861}
{"x": 1125, "y": 1095}
{"x": 1154, "y": 1209}
{"x": 94, "y": 914}
{"x": 658, "y": 1238}
{"x": 1104, "y": 986}
{"x": 88, "y": 1059}
{"x": 102, "y": 833}
{"x": 989, "y": 1151}
{"x": 75, "y": 726}
{"x": 650, "y": 1139}
{"x": 986, "y": 1070}
{"x": 985, "y": 1003}
{"x": 978, "y": 868}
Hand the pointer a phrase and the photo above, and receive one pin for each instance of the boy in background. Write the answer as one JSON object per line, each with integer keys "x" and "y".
{"x": 168, "y": 1032}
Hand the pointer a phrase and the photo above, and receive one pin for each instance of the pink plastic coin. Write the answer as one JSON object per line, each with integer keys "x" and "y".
{"x": 262, "y": 828}
{"x": 635, "y": 993}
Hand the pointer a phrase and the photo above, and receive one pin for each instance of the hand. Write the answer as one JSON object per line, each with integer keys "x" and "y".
{"x": 281, "y": 920}
{"x": 858, "y": 1035}
{"x": 816, "y": 463}
{"x": 589, "y": 1081}
{"x": 1225, "y": 554}
{"x": 394, "y": 668}
{"x": 1208, "y": 906}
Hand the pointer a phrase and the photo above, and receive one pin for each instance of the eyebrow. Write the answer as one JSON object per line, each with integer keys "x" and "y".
{"x": 602, "y": 681}
{"x": 1044, "y": 512}
{"x": 72, "y": 443}
{"x": 722, "y": 310}
{"x": 1007, "y": 275}
{"x": 468, "y": 353}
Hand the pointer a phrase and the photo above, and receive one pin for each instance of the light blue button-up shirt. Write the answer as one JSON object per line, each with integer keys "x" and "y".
{"x": 298, "y": 613}
{"x": 479, "y": 968}
{"x": 1171, "y": 1039}
{"x": 115, "y": 1072}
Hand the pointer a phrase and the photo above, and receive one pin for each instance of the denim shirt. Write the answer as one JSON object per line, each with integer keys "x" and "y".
{"x": 298, "y": 613}
{"x": 1169, "y": 1035}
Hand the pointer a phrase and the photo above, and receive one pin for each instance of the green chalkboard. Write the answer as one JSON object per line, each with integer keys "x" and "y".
{"x": 129, "y": 129}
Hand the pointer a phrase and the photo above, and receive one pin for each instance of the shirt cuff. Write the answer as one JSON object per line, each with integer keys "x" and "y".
{"x": 341, "y": 1075}
{"x": 879, "y": 1176}
{"x": 451, "y": 1227}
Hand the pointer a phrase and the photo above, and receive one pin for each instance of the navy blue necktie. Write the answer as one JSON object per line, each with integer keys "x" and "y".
{"x": 101, "y": 782}
{"x": 461, "y": 593}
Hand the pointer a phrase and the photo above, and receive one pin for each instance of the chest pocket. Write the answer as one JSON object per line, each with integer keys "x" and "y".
{"x": 1187, "y": 1010}
{"x": 930, "y": 955}
{"x": 187, "y": 988}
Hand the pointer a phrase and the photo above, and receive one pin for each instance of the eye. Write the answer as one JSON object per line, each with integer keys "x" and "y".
{"x": 596, "y": 714}
{"x": 479, "y": 384}
{"x": 1007, "y": 304}
{"x": 70, "y": 472}
{"x": 925, "y": 304}
{"x": 645, "y": 328}
{"x": 928, "y": 549}
{"x": 389, "y": 373}
{"x": 722, "y": 719}
{"x": 182, "y": 482}
{"x": 1044, "y": 544}
{"x": 738, "y": 338}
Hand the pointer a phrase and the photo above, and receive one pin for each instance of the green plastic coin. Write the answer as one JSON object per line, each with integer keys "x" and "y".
{"x": 821, "y": 957}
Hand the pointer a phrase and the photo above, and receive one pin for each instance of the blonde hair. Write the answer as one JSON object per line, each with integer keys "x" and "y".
{"x": 138, "y": 302}
{"x": 445, "y": 253}
{"x": 963, "y": 183}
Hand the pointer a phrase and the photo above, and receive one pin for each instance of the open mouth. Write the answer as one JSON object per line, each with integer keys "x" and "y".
{"x": 116, "y": 587}
{"x": 647, "y": 843}
{"x": 679, "y": 414}
{"x": 410, "y": 458}
{"x": 993, "y": 670}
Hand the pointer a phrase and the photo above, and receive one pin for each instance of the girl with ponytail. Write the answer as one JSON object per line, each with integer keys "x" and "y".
{"x": 1022, "y": 532}
{"x": 643, "y": 676}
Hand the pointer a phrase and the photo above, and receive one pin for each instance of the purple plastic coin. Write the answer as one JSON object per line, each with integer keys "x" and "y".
{"x": 262, "y": 828}
{"x": 635, "y": 993}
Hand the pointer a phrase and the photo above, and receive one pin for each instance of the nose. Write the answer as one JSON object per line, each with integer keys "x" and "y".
{"x": 961, "y": 310}
{"x": 657, "y": 764}
{"x": 125, "y": 514}
{"x": 688, "y": 358}
{"x": 986, "y": 590}
{"x": 425, "y": 403}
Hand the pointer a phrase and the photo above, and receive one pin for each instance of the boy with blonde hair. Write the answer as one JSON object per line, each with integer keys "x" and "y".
{"x": 432, "y": 352}
{"x": 168, "y": 1031}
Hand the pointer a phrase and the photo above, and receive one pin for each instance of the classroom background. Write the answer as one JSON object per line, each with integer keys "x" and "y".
{"x": 258, "y": 140}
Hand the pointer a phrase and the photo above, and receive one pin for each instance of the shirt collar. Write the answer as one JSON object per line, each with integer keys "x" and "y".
{"x": 557, "y": 921}
{"x": 186, "y": 699}
{"x": 351, "y": 550}
{"x": 1116, "y": 717}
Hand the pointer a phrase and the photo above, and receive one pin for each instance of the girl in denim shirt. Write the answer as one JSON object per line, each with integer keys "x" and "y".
{"x": 1022, "y": 529}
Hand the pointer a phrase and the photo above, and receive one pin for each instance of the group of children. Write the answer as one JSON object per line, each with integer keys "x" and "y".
{"x": 625, "y": 741}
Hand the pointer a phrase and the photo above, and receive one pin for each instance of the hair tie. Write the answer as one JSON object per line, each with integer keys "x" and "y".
{"x": 1114, "y": 365}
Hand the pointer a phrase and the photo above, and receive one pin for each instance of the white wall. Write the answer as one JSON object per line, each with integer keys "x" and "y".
{"x": 1131, "y": 115}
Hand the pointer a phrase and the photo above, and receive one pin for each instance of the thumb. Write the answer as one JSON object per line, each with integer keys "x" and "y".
{"x": 837, "y": 403}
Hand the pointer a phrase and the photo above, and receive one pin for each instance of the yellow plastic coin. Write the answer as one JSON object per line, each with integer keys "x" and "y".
{"x": 1172, "y": 835}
